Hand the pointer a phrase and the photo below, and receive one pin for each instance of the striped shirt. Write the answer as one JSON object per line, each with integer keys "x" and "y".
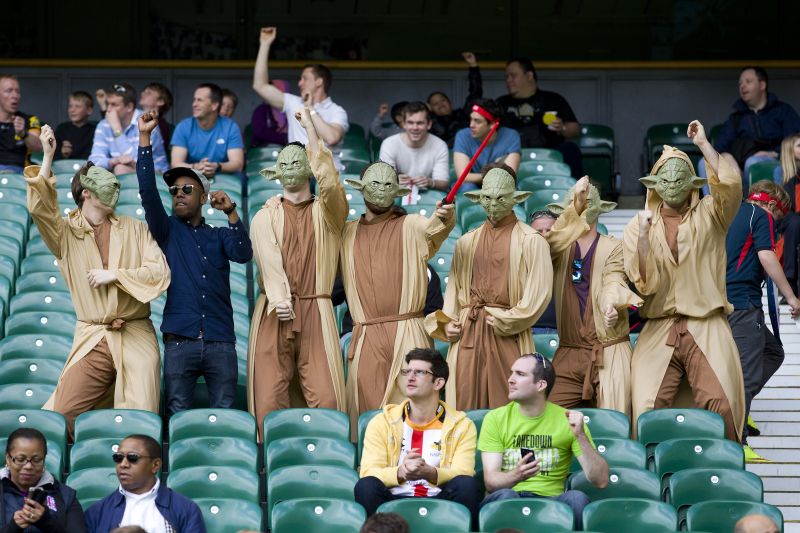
{"x": 106, "y": 146}
{"x": 427, "y": 440}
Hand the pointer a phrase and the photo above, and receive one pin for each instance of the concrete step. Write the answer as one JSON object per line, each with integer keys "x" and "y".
{"x": 782, "y": 498}
{"x": 771, "y": 442}
{"x": 773, "y": 470}
{"x": 775, "y": 416}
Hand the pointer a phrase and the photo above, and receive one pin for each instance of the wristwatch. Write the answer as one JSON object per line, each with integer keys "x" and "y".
{"x": 231, "y": 210}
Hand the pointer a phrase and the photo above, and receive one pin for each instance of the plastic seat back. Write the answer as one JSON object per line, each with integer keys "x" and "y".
{"x": 25, "y": 395}
{"x": 721, "y": 516}
{"x": 606, "y": 423}
{"x": 427, "y": 515}
{"x": 93, "y": 484}
{"x": 223, "y": 451}
{"x": 93, "y": 453}
{"x": 45, "y": 371}
{"x": 305, "y": 481}
{"x": 306, "y": 422}
{"x": 317, "y": 515}
{"x": 629, "y": 515}
{"x": 674, "y": 455}
{"x": 212, "y": 423}
{"x": 622, "y": 483}
{"x": 546, "y": 344}
{"x": 35, "y": 345}
{"x": 309, "y": 451}
{"x": 624, "y": 453}
{"x": 212, "y": 481}
{"x": 119, "y": 423}
{"x": 225, "y": 515}
{"x": 694, "y": 485}
{"x": 528, "y": 515}
{"x": 659, "y": 425}
{"x": 363, "y": 422}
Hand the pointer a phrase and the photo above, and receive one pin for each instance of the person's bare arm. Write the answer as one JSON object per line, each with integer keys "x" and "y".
{"x": 513, "y": 160}
{"x": 495, "y": 479}
{"x": 769, "y": 261}
{"x": 330, "y": 133}
{"x": 460, "y": 162}
{"x": 271, "y": 94}
{"x": 178, "y": 157}
{"x": 594, "y": 466}
{"x": 235, "y": 162}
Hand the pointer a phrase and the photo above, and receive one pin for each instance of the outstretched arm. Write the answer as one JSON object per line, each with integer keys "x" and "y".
{"x": 724, "y": 178}
{"x": 154, "y": 212}
{"x": 271, "y": 94}
{"x": 42, "y": 200}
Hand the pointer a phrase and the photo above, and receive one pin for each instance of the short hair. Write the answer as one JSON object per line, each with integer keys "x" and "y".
{"x": 4, "y": 76}
{"x": 232, "y": 95}
{"x": 385, "y": 523}
{"x": 486, "y": 168}
{"x": 76, "y": 186}
{"x": 489, "y": 105}
{"x": 321, "y": 71}
{"x": 216, "y": 92}
{"x": 416, "y": 107}
{"x": 760, "y": 73}
{"x": 434, "y": 93}
{"x": 165, "y": 94}
{"x": 83, "y": 96}
{"x": 151, "y": 445}
{"x": 772, "y": 189}
{"x": 543, "y": 369}
{"x": 543, "y": 213}
{"x": 125, "y": 90}
{"x": 25, "y": 433}
{"x": 128, "y": 529}
{"x": 525, "y": 64}
{"x": 438, "y": 364}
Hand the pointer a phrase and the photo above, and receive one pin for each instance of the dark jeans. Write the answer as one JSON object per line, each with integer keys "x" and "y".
{"x": 185, "y": 360}
{"x": 576, "y": 499}
{"x": 759, "y": 351}
{"x": 370, "y": 492}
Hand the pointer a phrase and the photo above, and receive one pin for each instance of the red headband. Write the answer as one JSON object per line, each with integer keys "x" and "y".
{"x": 766, "y": 198}
{"x": 485, "y": 114}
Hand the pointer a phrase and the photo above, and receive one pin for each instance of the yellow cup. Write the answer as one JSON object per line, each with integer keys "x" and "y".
{"x": 549, "y": 117}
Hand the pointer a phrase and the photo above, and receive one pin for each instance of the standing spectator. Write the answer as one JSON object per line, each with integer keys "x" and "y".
{"x": 330, "y": 120}
{"x": 269, "y": 124}
{"x": 115, "y": 138}
{"x": 542, "y": 118}
{"x": 789, "y": 226}
{"x": 157, "y": 97}
{"x": 206, "y": 141}
{"x": 503, "y": 146}
{"x": 75, "y": 136}
{"x": 198, "y": 317}
{"x": 420, "y": 158}
{"x": 542, "y": 221}
{"x": 19, "y": 132}
{"x": 31, "y": 499}
{"x": 446, "y": 120}
{"x": 388, "y": 122}
{"x": 229, "y": 103}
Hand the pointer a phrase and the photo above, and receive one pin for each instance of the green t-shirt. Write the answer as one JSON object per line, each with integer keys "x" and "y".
{"x": 505, "y": 430}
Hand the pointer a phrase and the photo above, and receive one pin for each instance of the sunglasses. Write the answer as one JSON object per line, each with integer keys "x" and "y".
{"x": 185, "y": 189}
{"x": 536, "y": 215}
{"x": 542, "y": 359}
{"x": 577, "y": 270}
{"x": 119, "y": 88}
{"x": 132, "y": 457}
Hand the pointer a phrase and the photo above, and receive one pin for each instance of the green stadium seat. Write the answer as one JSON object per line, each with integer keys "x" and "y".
{"x": 537, "y": 183}
{"x": 67, "y": 166}
{"x": 44, "y": 371}
{"x": 542, "y": 168}
{"x": 8, "y": 267}
{"x": 363, "y": 422}
{"x": 224, "y": 515}
{"x": 721, "y": 516}
{"x": 13, "y": 196}
{"x": 541, "y": 154}
{"x": 622, "y": 483}
{"x": 305, "y": 481}
{"x": 695, "y": 485}
{"x": 354, "y": 153}
{"x": 93, "y": 484}
{"x": 268, "y": 153}
{"x": 11, "y": 247}
{"x": 212, "y": 423}
{"x": 527, "y": 515}
{"x": 14, "y": 229}
{"x": 634, "y": 337}
{"x": 230, "y": 183}
{"x": 597, "y": 149}
{"x": 39, "y": 263}
{"x": 354, "y": 166}
{"x": 211, "y": 481}
{"x": 41, "y": 281}
{"x": 540, "y": 199}
{"x": 305, "y": 423}
{"x": 602, "y": 229}
{"x": 132, "y": 210}
{"x": 470, "y": 216}
{"x": 606, "y": 423}
{"x": 40, "y": 321}
{"x": 671, "y": 134}
{"x": 35, "y": 346}
{"x": 629, "y": 515}
{"x": 42, "y": 301}
{"x": 308, "y": 451}
{"x": 426, "y": 515}
{"x": 546, "y": 344}
{"x": 763, "y": 171}
{"x": 340, "y": 310}
{"x": 441, "y": 264}
{"x": 25, "y": 395}
{"x": 674, "y": 455}
{"x": 53, "y": 463}
{"x": 15, "y": 212}
{"x": 448, "y": 245}
{"x": 36, "y": 245}
{"x": 13, "y": 181}
{"x": 224, "y": 451}
{"x": 51, "y": 424}
{"x": 93, "y": 453}
{"x": 659, "y": 425}
{"x": 623, "y": 453}
{"x": 119, "y": 423}
{"x": 317, "y": 515}
{"x": 129, "y": 196}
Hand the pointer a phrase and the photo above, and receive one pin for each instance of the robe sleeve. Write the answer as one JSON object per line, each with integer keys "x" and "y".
{"x": 726, "y": 193}
{"x": 615, "y": 289}
{"x": 436, "y": 321}
{"x": 630, "y": 254}
{"x": 436, "y": 230}
{"x": 568, "y": 228}
{"x": 537, "y": 289}
{"x": 148, "y": 281}
{"x": 43, "y": 207}
{"x": 269, "y": 260}
{"x": 331, "y": 192}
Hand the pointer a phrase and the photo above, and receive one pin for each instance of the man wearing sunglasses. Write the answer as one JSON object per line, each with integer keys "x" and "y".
{"x": 593, "y": 360}
{"x": 199, "y": 338}
{"x": 422, "y": 447}
{"x": 527, "y": 445}
{"x": 141, "y": 500}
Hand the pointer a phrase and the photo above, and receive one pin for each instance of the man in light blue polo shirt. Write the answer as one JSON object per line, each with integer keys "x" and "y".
{"x": 206, "y": 141}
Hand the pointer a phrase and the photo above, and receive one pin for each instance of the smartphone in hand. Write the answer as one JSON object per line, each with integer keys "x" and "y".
{"x": 525, "y": 451}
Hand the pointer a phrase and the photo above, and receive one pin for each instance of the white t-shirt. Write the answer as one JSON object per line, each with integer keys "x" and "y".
{"x": 431, "y": 159}
{"x": 330, "y": 113}
{"x": 141, "y": 510}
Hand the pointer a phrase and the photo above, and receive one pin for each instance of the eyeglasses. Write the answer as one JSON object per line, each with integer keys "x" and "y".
{"x": 132, "y": 457}
{"x": 186, "y": 189}
{"x": 542, "y": 359}
{"x": 536, "y": 215}
{"x": 418, "y": 372}
{"x": 22, "y": 461}
{"x": 577, "y": 270}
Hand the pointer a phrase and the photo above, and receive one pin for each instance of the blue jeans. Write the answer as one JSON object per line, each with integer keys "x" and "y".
{"x": 185, "y": 360}
{"x": 576, "y": 499}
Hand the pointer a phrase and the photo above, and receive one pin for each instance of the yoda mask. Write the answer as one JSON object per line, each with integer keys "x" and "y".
{"x": 379, "y": 185}
{"x": 103, "y": 184}
{"x": 498, "y": 194}
{"x": 594, "y": 205}
{"x": 673, "y": 178}
{"x": 291, "y": 169}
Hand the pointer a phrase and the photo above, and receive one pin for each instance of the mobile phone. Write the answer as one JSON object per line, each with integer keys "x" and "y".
{"x": 38, "y": 495}
{"x": 525, "y": 451}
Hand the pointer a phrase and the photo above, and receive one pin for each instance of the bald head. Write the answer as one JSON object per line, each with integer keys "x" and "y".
{"x": 756, "y": 523}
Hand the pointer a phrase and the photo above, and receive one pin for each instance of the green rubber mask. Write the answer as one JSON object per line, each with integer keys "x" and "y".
{"x": 291, "y": 169}
{"x": 498, "y": 194}
{"x": 103, "y": 184}
{"x": 379, "y": 185}
{"x": 673, "y": 178}
{"x": 594, "y": 205}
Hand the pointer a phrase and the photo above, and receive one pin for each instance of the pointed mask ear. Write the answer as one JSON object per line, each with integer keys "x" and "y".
{"x": 402, "y": 191}
{"x": 556, "y": 209}
{"x": 648, "y": 181}
{"x": 270, "y": 173}
{"x": 356, "y": 184}
{"x": 607, "y": 207}
{"x": 698, "y": 182}
{"x": 521, "y": 196}
{"x": 474, "y": 196}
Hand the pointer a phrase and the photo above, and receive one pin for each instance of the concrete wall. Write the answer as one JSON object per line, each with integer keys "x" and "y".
{"x": 628, "y": 100}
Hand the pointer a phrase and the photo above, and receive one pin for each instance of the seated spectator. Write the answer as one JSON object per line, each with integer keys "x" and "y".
{"x": 386, "y": 124}
{"x": 403, "y": 452}
{"x": 229, "y": 103}
{"x": 420, "y": 158}
{"x": 446, "y": 120}
{"x": 31, "y": 499}
{"x": 503, "y": 147}
{"x": 542, "y": 221}
{"x": 543, "y": 119}
{"x": 269, "y": 124}
{"x": 75, "y": 136}
{"x": 385, "y": 523}
{"x": 206, "y": 141}
{"x": 790, "y": 163}
{"x": 141, "y": 500}
{"x": 19, "y": 132}
{"x": 330, "y": 120}
{"x": 527, "y": 445}
{"x": 759, "y": 122}
{"x": 157, "y": 97}
{"x": 116, "y": 137}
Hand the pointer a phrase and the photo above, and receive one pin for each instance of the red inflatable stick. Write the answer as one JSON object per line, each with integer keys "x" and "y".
{"x": 451, "y": 196}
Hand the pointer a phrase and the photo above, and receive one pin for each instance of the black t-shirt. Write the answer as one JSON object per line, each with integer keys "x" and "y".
{"x": 525, "y": 115}
{"x": 81, "y": 139}
{"x": 12, "y": 147}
